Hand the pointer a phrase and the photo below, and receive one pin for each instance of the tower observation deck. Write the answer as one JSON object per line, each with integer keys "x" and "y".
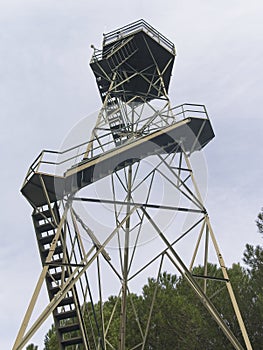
{"x": 138, "y": 144}
{"x": 133, "y": 67}
{"x": 137, "y": 59}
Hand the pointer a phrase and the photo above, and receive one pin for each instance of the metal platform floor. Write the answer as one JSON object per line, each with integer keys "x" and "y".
{"x": 190, "y": 134}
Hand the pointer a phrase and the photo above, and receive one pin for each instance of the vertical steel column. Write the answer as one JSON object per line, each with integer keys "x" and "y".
{"x": 229, "y": 288}
{"x": 123, "y": 315}
{"x": 206, "y": 258}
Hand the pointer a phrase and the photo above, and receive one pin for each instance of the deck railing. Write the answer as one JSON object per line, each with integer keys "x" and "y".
{"x": 126, "y": 31}
{"x": 58, "y": 162}
{"x": 134, "y": 28}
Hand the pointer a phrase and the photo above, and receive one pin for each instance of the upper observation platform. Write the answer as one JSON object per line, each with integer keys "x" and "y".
{"x": 55, "y": 175}
{"x": 135, "y": 63}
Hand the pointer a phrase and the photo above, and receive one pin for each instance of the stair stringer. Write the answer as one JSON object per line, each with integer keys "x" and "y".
{"x": 68, "y": 320}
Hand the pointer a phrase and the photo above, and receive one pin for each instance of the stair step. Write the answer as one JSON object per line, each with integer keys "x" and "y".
{"x": 119, "y": 47}
{"x": 57, "y": 276}
{"x": 46, "y": 239}
{"x": 42, "y": 215}
{"x": 120, "y": 57}
{"x": 58, "y": 250}
{"x": 66, "y": 301}
{"x": 56, "y": 262}
{"x": 67, "y": 321}
{"x": 72, "y": 341}
{"x": 45, "y": 227}
{"x": 69, "y": 328}
{"x": 66, "y": 314}
{"x": 54, "y": 290}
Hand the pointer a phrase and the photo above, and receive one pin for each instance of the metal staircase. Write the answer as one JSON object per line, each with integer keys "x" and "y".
{"x": 133, "y": 72}
{"x": 108, "y": 61}
{"x": 121, "y": 53}
{"x": 67, "y": 316}
{"x": 116, "y": 121}
{"x": 115, "y": 58}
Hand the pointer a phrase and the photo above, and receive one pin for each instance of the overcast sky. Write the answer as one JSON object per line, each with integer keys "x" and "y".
{"x": 46, "y": 86}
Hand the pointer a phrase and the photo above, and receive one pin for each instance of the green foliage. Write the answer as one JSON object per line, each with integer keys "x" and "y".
{"x": 50, "y": 340}
{"x": 174, "y": 316}
{"x": 178, "y": 318}
{"x": 32, "y": 347}
{"x": 253, "y": 257}
{"x": 259, "y": 221}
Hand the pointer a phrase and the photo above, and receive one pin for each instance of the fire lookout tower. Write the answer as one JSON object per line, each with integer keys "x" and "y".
{"x": 116, "y": 208}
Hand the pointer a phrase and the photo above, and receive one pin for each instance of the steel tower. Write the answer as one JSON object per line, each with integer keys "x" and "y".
{"x": 117, "y": 207}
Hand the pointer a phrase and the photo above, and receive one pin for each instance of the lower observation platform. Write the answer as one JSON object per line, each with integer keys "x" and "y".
{"x": 189, "y": 134}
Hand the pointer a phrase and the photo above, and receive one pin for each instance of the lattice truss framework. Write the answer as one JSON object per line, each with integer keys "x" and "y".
{"x": 138, "y": 219}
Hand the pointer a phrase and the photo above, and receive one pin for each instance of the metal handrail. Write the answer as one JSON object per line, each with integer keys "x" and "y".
{"x": 182, "y": 111}
{"x": 98, "y": 54}
{"x": 135, "y": 27}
